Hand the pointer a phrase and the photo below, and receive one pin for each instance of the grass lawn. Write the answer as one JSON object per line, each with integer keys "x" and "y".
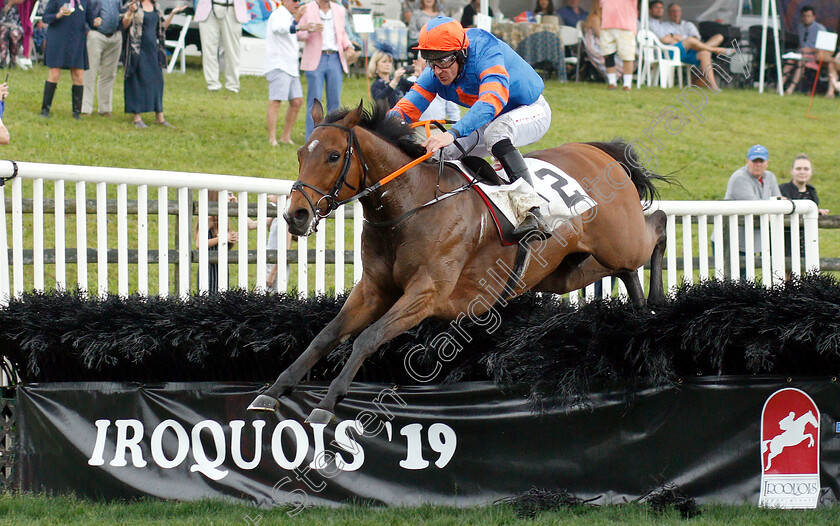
{"x": 698, "y": 137}
{"x": 39, "y": 510}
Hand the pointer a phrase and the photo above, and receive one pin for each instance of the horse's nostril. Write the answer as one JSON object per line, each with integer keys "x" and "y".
{"x": 301, "y": 215}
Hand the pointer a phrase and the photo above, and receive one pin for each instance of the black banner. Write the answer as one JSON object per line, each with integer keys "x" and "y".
{"x": 463, "y": 444}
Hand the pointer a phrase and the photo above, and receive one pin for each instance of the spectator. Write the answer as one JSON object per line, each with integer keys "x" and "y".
{"x": 592, "y": 42}
{"x": 807, "y": 30}
{"x": 68, "y": 21}
{"x": 798, "y": 187}
{"x": 753, "y": 182}
{"x": 544, "y": 7}
{"x": 656, "y": 10}
{"x": 39, "y": 32}
{"x": 281, "y": 68}
{"x": 833, "y": 67}
{"x": 145, "y": 58}
{"x": 379, "y": 68}
{"x": 685, "y": 36}
{"x": 213, "y": 239}
{"x": 25, "y": 9}
{"x": 425, "y": 11}
{"x": 11, "y": 32}
{"x": 213, "y": 236}
{"x": 572, "y": 13}
{"x": 618, "y": 36}
{"x": 326, "y": 52}
{"x": 220, "y": 28}
{"x": 5, "y": 138}
{"x": 103, "y": 47}
{"x": 472, "y": 9}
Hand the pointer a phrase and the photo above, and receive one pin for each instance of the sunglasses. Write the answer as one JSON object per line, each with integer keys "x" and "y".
{"x": 442, "y": 63}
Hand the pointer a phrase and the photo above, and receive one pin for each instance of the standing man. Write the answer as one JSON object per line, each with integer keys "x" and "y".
{"x": 618, "y": 35}
{"x": 103, "y": 46}
{"x": 281, "y": 68}
{"x": 326, "y": 52}
{"x": 220, "y": 22}
{"x": 753, "y": 182}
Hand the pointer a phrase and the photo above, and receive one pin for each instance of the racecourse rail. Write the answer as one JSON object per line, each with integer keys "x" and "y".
{"x": 35, "y": 191}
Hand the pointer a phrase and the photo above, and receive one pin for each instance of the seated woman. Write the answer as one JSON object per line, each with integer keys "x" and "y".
{"x": 592, "y": 42}
{"x": 384, "y": 87}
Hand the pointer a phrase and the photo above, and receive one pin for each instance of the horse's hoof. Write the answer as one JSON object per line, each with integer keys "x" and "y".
{"x": 264, "y": 403}
{"x": 320, "y": 416}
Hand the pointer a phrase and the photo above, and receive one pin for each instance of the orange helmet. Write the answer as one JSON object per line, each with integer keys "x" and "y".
{"x": 441, "y": 36}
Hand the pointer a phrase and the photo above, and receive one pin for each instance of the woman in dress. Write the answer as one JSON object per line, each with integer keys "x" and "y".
{"x": 145, "y": 58}
{"x": 66, "y": 48}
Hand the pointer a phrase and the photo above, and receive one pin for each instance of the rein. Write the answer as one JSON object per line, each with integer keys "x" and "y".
{"x": 331, "y": 197}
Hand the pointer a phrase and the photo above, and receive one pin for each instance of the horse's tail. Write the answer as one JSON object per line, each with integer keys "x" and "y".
{"x": 626, "y": 156}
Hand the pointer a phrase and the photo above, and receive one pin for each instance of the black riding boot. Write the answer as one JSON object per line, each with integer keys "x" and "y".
{"x": 49, "y": 91}
{"x": 513, "y": 163}
{"x": 78, "y": 92}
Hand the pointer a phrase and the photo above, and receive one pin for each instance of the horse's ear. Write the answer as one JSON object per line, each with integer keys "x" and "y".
{"x": 355, "y": 116}
{"x": 317, "y": 112}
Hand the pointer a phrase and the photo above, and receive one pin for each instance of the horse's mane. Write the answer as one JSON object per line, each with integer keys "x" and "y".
{"x": 390, "y": 128}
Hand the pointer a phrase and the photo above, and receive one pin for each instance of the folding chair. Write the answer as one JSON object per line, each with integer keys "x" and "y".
{"x": 667, "y": 59}
{"x": 178, "y": 45}
{"x": 571, "y": 36}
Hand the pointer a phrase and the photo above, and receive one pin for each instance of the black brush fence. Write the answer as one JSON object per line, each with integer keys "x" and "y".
{"x": 536, "y": 342}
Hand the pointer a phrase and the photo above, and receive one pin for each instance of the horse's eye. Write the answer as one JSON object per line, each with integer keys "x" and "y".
{"x": 333, "y": 157}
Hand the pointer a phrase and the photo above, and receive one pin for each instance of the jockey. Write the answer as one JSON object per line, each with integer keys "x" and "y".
{"x": 507, "y": 110}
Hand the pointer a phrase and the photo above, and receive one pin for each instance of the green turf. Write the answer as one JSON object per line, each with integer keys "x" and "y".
{"x": 39, "y": 510}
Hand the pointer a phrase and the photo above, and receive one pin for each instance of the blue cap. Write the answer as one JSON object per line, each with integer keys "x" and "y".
{"x": 758, "y": 152}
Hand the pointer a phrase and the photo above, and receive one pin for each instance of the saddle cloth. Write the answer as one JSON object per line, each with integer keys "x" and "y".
{"x": 558, "y": 196}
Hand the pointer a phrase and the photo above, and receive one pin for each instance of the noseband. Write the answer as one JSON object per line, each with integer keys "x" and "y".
{"x": 331, "y": 198}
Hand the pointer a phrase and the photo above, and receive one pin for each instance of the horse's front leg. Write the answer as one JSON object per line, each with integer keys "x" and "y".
{"x": 414, "y": 306}
{"x": 363, "y": 306}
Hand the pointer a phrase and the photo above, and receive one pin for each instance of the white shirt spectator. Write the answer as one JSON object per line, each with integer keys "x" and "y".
{"x": 686, "y": 29}
{"x": 281, "y": 44}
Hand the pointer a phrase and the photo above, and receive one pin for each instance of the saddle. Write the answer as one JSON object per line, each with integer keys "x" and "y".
{"x": 557, "y": 194}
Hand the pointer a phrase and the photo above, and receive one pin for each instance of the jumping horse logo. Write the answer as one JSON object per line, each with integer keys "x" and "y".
{"x": 793, "y": 434}
{"x": 790, "y": 450}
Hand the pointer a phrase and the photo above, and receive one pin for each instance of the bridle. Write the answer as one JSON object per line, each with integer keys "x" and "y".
{"x": 331, "y": 197}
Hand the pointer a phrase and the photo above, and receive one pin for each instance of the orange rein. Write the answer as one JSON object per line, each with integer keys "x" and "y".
{"x": 415, "y": 162}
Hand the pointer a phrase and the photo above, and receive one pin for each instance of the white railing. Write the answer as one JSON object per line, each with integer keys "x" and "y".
{"x": 701, "y": 224}
{"x": 174, "y": 228}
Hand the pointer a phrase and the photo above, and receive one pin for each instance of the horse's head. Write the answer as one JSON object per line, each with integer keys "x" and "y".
{"x": 332, "y": 170}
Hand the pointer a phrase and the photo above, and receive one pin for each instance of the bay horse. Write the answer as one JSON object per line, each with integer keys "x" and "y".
{"x": 432, "y": 261}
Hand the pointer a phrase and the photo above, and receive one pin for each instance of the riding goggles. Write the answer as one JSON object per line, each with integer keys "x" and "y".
{"x": 442, "y": 63}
